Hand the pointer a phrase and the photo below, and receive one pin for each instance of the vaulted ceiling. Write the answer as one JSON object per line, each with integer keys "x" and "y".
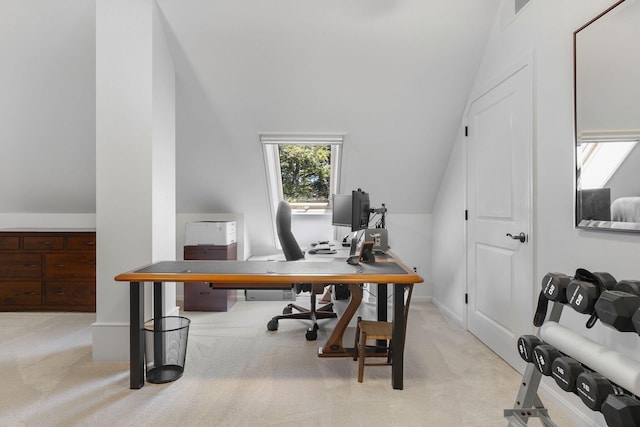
{"x": 393, "y": 75}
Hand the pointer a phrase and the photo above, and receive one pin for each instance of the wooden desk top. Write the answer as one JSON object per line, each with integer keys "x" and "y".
{"x": 275, "y": 272}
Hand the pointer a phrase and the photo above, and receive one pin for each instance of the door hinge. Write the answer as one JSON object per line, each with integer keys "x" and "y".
{"x": 466, "y": 131}
{"x": 466, "y": 215}
{"x": 466, "y": 298}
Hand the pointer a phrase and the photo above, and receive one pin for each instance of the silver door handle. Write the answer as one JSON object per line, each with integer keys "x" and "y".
{"x": 522, "y": 237}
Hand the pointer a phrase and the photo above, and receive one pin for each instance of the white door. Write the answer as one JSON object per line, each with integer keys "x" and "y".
{"x": 499, "y": 268}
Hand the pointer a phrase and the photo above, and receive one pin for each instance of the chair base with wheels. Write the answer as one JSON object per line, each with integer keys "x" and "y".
{"x": 292, "y": 252}
{"x": 381, "y": 332}
{"x": 312, "y": 313}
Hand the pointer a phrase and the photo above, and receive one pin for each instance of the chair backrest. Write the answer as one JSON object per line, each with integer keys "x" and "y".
{"x": 290, "y": 247}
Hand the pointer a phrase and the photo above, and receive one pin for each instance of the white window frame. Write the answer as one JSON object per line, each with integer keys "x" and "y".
{"x": 270, "y": 143}
{"x": 594, "y": 149}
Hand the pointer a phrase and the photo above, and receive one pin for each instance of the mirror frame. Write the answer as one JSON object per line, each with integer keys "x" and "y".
{"x": 593, "y": 225}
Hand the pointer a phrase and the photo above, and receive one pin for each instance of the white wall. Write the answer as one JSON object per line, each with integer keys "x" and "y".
{"x": 135, "y": 167}
{"x": 47, "y": 107}
{"x": 544, "y": 28}
{"x": 449, "y": 250}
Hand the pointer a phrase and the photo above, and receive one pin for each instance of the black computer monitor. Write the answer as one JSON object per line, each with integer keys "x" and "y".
{"x": 360, "y": 210}
{"x": 341, "y": 214}
{"x": 351, "y": 210}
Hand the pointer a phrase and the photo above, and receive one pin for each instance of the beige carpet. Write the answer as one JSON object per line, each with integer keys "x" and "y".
{"x": 239, "y": 374}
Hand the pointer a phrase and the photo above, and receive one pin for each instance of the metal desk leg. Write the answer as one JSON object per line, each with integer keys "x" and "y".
{"x": 397, "y": 355}
{"x": 381, "y": 302}
{"x": 136, "y": 336}
{"x": 381, "y": 307}
{"x": 158, "y": 335}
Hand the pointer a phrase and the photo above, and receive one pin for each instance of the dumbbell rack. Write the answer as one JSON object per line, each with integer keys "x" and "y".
{"x": 624, "y": 372}
{"x": 528, "y": 404}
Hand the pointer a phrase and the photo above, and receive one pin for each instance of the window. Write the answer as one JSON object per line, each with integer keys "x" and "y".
{"x": 302, "y": 169}
{"x": 599, "y": 157}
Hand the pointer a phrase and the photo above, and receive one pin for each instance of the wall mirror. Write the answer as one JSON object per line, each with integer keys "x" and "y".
{"x": 607, "y": 119}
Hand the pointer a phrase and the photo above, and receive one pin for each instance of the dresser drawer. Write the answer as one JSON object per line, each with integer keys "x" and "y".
{"x": 81, "y": 243}
{"x": 70, "y": 265}
{"x": 70, "y": 293}
{"x": 9, "y": 243}
{"x": 20, "y": 293}
{"x": 51, "y": 243}
{"x": 20, "y": 265}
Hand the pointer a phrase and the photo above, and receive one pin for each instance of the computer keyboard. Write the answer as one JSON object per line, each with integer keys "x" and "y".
{"x": 322, "y": 248}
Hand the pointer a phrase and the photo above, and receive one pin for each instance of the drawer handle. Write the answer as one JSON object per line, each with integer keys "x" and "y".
{"x": 30, "y": 265}
{"x": 90, "y": 243}
{"x": 60, "y": 293}
{"x": 60, "y": 265}
{"x": 46, "y": 243}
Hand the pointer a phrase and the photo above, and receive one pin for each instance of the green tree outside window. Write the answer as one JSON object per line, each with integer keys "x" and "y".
{"x": 306, "y": 172}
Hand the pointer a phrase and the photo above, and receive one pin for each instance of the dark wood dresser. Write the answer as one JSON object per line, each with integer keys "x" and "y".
{"x": 52, "y": 270}
{"x": 200, "y": 296}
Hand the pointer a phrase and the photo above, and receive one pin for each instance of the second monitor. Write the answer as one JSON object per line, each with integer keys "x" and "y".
{"x": 351, "y": 210}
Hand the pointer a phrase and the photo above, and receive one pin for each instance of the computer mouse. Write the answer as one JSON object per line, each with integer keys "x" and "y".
{"x": 353, "y": 260}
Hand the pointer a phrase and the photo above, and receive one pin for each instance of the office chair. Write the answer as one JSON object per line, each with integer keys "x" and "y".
{"x": 379, "y": 331}
{"x": 292, "y": 252}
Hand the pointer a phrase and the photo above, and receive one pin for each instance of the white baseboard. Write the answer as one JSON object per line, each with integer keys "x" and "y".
{"x": 111, "y": 340}
{"x": 454, "y": 317}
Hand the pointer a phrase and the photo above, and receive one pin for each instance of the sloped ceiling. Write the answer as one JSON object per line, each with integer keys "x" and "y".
{"x": 393, "y": 75}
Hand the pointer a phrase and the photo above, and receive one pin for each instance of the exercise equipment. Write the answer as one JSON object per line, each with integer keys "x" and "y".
{"x": 554, "y": 288}
{"x": 593, "y": 388}
{"x": 629, "y": 286}
{"x": 526, "y": 344}
{"x": 618, "y": 368}
{"x": 616, "y": 309}
{"x": 543, "y": 357}
{"x": 583, "y": 292}
{"x": 609, "y": 381}
{"x": 621, "y": 411}
{"x": 635, "y": 319}
{"x": 565, "y": 371}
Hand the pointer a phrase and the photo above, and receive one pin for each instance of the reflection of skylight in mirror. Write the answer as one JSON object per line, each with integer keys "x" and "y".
{"x": 600, "y": 160}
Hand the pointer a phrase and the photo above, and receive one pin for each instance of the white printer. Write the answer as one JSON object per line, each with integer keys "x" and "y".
{"x": 220, "y": 233}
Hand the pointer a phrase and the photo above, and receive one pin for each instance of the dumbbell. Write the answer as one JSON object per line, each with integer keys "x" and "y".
{"x": 565, "y": 371}
{"x": 526, "y": 344}
{"x": 621, "y": 411}
{"x": 533, "y": 350}
{"x": 616, "y": 307}
{"x": 628, "y": 286}
{"x": 543, "y": 357}
{"x": 554, "y": 286}
{"x": 593, "y": 388}
{"x": 584, "y": 290}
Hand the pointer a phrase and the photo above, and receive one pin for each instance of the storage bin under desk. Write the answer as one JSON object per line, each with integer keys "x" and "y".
{"x": 200, "y": 296}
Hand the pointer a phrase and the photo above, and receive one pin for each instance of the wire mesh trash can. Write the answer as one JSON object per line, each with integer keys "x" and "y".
{"x": 165, "y": 348}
